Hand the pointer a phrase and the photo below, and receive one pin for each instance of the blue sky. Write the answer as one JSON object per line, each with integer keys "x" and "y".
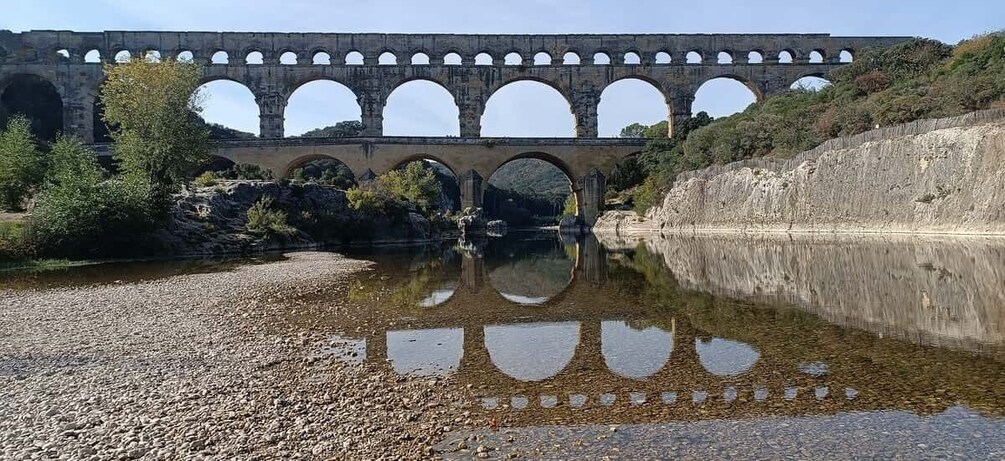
{"x": 520, "y": 109}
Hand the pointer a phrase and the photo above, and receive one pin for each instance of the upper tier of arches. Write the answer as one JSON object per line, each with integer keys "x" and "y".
{"x": 442, "y": 49}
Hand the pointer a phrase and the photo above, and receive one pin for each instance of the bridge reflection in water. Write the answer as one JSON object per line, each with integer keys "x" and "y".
{"x": 563, "y": 327}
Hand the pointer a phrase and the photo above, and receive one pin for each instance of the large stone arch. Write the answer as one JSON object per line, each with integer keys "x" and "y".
{"x": 564, "y": 92}
{"x": 355, "y": 165}
{"x": 751, "y": 85}
{"x": 657, "y": 85}
{"x": 38, "y": 98}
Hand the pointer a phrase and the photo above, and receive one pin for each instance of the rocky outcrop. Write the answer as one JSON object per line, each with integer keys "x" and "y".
{"x": 931, "y": 176}
{"x": 213, "y": 220}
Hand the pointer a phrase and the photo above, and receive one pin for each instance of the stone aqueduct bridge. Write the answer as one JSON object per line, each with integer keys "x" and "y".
{"x": 470, "y": 67}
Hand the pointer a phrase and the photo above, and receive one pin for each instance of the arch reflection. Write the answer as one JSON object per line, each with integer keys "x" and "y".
{"x": 529, "y": 272}
{"x": 439, "y": 295}
{"x": 724, "y": 357}
{"x": 533, "y": 351}
{"x": 634, "y": 353}
{"x": 425, "y": 352}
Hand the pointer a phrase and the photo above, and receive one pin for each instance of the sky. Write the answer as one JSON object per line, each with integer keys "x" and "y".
{"x": 521, "y": 108}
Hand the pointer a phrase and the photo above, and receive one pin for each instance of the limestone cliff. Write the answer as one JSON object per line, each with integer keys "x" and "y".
{"x": 937, "y": 176}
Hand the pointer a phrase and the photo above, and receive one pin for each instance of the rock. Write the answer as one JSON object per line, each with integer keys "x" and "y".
{"x": 917, "y": 177}
{"x": 496, "y": 228}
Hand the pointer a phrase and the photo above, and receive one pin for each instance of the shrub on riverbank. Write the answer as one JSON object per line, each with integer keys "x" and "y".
{"x": 21, "y": 164}
{"x": 265, "y": 219}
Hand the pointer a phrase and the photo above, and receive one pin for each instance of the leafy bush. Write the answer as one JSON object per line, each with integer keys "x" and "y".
{"x": 207, "y": 179}
{"x": 416, "y": 184}
{"x": 21, "y": 164}
{"x": 247, "y": 171}
{"x": 81, "y": 215}
{"x": 264, "y": 219}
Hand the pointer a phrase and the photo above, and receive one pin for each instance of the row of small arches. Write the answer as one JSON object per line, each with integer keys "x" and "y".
{"x": 511, "y": 59}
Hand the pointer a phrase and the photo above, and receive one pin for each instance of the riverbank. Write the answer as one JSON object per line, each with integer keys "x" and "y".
{"x": 208, "y": 365}
{"x": 941, "y": 176}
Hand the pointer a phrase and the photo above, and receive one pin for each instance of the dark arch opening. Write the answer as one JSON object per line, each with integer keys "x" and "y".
{"x": 220, "y": 167}
{"x": 544, "y": 260}
{"x": 530, "y": 190}
{"x": 37, "y": 99}
{"x": 325, "y": 171}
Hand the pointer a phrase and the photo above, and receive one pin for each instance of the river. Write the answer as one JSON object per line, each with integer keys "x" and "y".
{"x": 716, "y": 346}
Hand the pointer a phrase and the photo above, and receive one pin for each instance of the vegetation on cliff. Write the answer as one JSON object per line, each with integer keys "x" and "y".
{"x": 916, "y": 79}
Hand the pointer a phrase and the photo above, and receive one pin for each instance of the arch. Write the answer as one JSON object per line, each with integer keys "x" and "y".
{"x": 321, "y": 58}
{"x": 63, "y": 55}
{"x": 813, "y": 82}
{"x": 421, "y": 107}
{"x": 532, "y": 351}
{"x": 424, "y": 157}
{"x": 483, "y": 59}
{"x": 571, "y": 58}
{"x": 420, "y": 59}
{"x": 786, "y": 56}
{"x": 513, "y": 59}
{"x": 817, "y": 57}
{"x": 505, "y": 199}
{"x": 123, "y": 56}
{"x": 324, "y": 170}
{"x": 254, "y": 58}
{"x": 526, "y": 107}
{"x": 426, "y": 352}
{"x": 220, "y": 57}
{"x": 230, "y": 105}
{"x": 630, "y": 100}
{"x": 220, "y": 166}
{"x": 725, "y": 57}
{"x": 99, "y": 130}
{"x": 542, "y": 59}
{"x": 542, "y": 156}
{"x": 724, "y": 95}
{"x": 634, "y": 353}
{"x": 601, "y": 58}
{"x": 93, "y": 56}
{"x": 288, "y": 58}
{"x": 452, "y": 59}
{"x": 152, "y": 56}
{"x": 354, "y": 58}
{"x": 632, "y": 58}
{"x": 319, "y": 102}
{"x": 846, "y": 55}
{"x": 694, "y": 57}
{"x": 387, "y": 58}
{"x": 662, "y": 58}
{"x": 36, "y": 98}
{"x": 755, "y": 57}
{"x": 724, "y": 357}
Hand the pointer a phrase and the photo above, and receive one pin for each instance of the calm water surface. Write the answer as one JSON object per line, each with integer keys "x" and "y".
{"x": 823, "y": 334}
{"x": 713, "y": 339}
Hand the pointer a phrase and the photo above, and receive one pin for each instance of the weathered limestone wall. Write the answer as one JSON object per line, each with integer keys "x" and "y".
{"x": 931, "y": 176}
{"x": 942, "y": 291}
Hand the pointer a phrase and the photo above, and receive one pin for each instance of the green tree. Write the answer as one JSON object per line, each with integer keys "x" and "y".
{"x": 415, "y": 183}
{"x": 21, "y": 163}
{"x": 154, "y": 108}
{"x": 79, "y": 214}
{"x": 343, "y": 129}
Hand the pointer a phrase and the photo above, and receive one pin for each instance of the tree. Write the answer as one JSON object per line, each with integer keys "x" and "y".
{"x": 154, "y": 107}
{"x": 415, "y": 183}
{"x": 343, "y": 129}
{"x": 21, "y": 163}
{"x": 635, "y": 130}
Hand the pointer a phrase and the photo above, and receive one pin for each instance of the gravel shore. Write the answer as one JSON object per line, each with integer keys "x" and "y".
{"x": 205, "y": 366}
